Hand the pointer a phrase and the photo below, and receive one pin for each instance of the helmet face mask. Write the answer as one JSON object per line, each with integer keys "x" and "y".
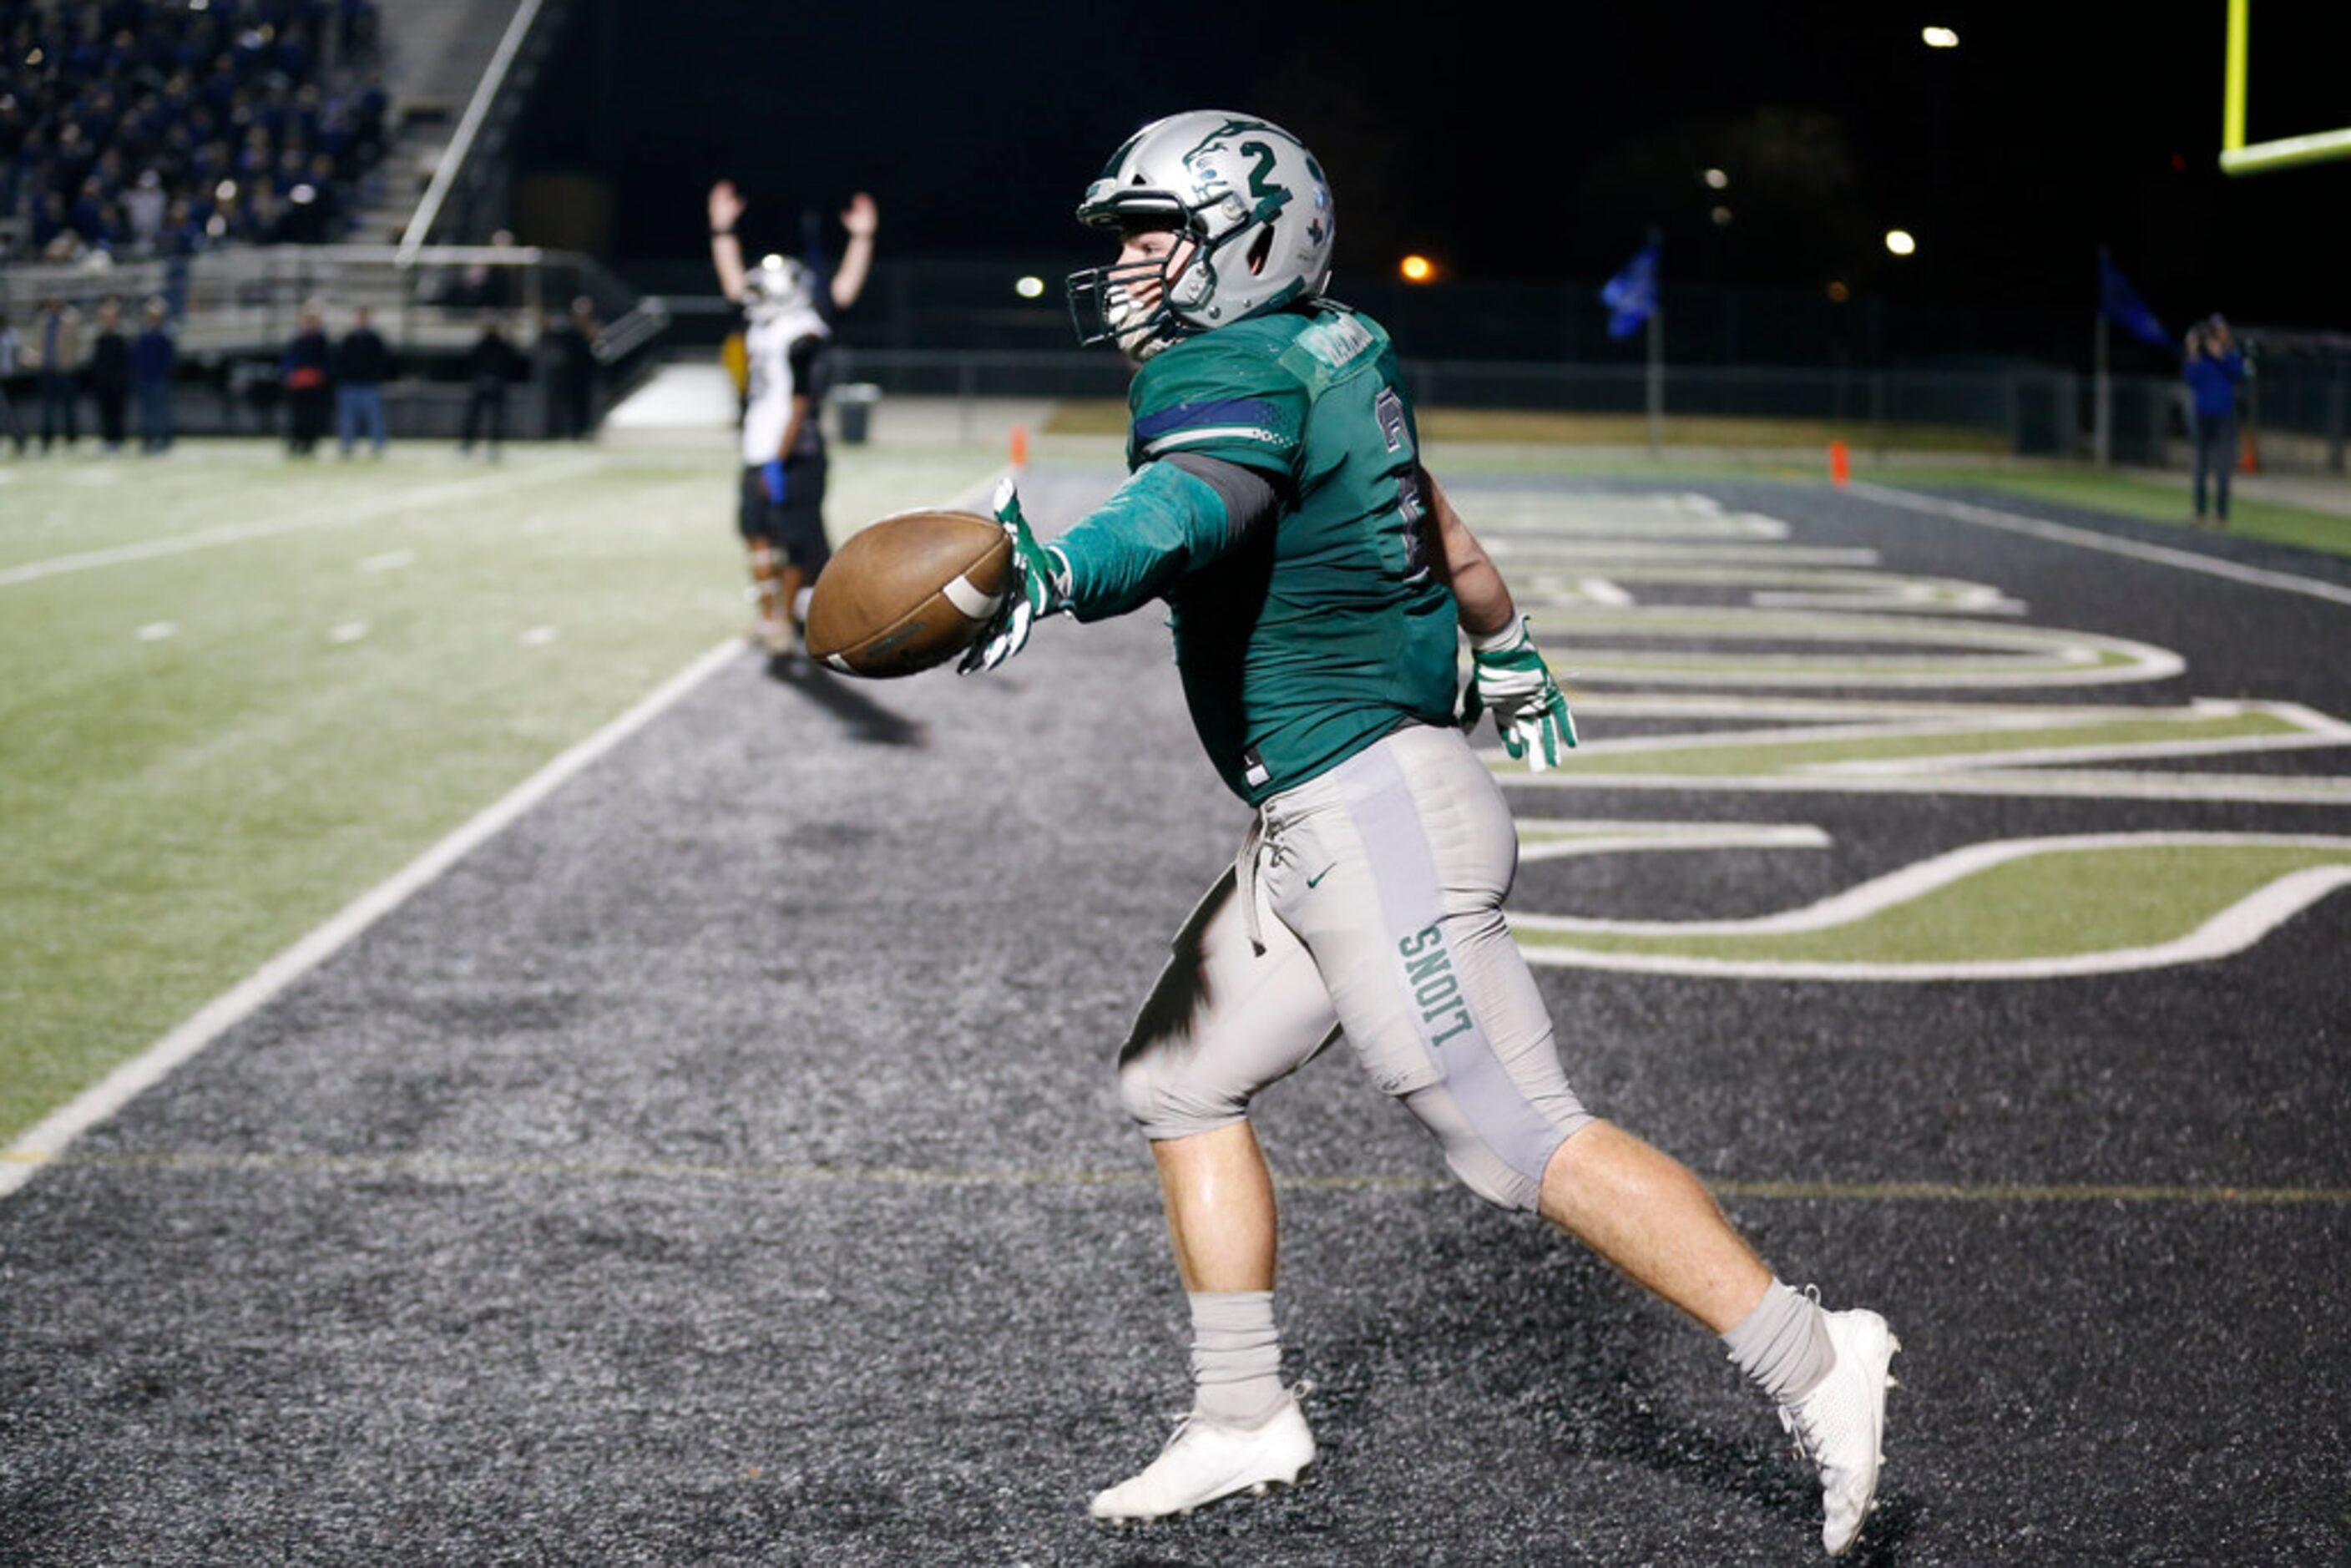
{"x": 1131, "y": 304}
{"x": 1248, "y": 197}
{"x": 778, "y": 284}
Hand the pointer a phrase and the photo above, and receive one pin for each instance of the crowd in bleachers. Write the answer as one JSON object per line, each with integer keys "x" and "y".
{"x": 160, "y": 128}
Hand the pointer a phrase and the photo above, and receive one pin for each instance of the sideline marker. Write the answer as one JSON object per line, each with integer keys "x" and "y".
{"x": 1020, "y": 446}
{"x": 1840, "y": 464}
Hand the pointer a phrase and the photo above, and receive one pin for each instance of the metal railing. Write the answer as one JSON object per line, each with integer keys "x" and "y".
{"x": 2024, "y": 411}
{"x": 454, "y": 162}
{"x": 431, "y": 301}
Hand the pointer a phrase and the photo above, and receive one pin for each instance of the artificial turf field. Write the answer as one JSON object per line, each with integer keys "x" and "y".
{"x": 718, "y": 1160}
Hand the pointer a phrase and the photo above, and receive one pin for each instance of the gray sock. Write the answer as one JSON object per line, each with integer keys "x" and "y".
{"x": 1783, "y": 1345}
{"x": 1236, "y": 1356}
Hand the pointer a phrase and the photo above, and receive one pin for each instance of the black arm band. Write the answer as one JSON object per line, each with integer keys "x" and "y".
{"x": 1251, "y": 500}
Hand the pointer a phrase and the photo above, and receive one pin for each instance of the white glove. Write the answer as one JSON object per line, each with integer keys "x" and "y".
{"x": 1508, "y": 675}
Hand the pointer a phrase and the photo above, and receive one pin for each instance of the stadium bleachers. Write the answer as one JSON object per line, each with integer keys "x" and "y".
{"x": 245, "y": 161}
{"x": 132, "y": 129}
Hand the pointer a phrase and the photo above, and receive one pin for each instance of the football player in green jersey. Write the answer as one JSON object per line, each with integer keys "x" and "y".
{"x": 1319, "y": 584}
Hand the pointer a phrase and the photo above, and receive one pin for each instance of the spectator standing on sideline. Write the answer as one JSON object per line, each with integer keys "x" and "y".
{"x": 57, "y": 357}
{"x": 362, "y": 365}
{"x": 152, "y": 359}
{"x": 2214, "y": 368}
{"x": 305, "y": 367}
{"x": 572, "y": 345}
{"x": 788, "y": 341}
{"x": 491, "y": 365}
{"x": 12, "y": 352}
{"x": 109, "y": 377}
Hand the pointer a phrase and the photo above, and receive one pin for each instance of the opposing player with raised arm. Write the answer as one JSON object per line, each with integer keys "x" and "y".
{"x": 789, "y": 343}
{"x": 1320, "y": 581}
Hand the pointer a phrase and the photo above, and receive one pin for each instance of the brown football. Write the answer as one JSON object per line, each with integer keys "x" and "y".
{"x": 908, "y": 592}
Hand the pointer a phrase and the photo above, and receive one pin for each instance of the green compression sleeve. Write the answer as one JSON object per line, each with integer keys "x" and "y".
{"x": 1161, "y": 523}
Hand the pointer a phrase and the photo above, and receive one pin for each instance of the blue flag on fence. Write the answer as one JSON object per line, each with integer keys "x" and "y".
{"x": 2118, "y": 302}
{"x": 1632, "y": 295}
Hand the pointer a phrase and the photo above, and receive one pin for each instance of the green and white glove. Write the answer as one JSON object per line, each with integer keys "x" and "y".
{"x": 1033, "y": 592}
{"x": 1508, "y": 675}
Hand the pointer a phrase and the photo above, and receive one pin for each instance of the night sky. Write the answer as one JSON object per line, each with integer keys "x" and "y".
{"x": 2052, "y": 128}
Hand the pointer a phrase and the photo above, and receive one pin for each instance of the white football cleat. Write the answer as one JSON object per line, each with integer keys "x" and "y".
{"x": 1841, "y": 1424}
{"x": 1205, "y": 1460}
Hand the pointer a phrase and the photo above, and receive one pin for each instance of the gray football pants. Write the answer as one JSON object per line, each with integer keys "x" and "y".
{"x": 1367, "y": 902}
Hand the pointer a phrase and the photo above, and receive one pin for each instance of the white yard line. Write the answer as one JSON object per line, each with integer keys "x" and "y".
{"x": 353, "y": 511}
{"x": 50, "y": 1136}
{"x": 2088, "y": 539}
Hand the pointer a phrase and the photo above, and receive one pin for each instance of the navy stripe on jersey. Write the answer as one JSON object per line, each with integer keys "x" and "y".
{"x": 1222, "y": 414}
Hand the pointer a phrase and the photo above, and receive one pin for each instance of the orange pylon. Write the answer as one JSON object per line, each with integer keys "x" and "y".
{"x": 1020, "y": 446}
{"x": 1840, "y": 464}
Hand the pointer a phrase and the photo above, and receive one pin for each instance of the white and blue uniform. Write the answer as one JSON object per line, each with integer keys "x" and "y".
{"x": 789, "y": 350}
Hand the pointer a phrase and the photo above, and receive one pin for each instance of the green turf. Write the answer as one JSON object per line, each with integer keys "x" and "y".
{"x": 205, "y": 753}
{"x": 2146, "y": 499}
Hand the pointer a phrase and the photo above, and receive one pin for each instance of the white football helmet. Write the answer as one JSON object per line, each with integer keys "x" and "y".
{"x": 777, "y": 285}
{"x": 1248, "y": 196}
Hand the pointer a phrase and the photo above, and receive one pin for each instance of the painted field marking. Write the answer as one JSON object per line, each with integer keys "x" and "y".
{"x": 1515, "y": 521}
{"x": 1963, "y": 653}
{"x": 1537, "y": 552}
{"x": 1600, "y": 590}
{"x": 51, "y": 1135}
{"x": 391, "y": 561}
{"x": 1769, "y": 581}
{"x": 317, "y": 517}
{"x": 1546, "y": 838}
{"x": 1770, "y": 585}
{"x": 1647, "y": 946}
{"x": 1961, "y": 735}
{"x": 463, "y": 1168}
{"x": 2089, "y": 538}
{"x": 157, "y": 631}
{"x": 2252, "y": 789}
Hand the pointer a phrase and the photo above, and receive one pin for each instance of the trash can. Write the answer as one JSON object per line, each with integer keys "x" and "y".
{"x": 856, "y": 403}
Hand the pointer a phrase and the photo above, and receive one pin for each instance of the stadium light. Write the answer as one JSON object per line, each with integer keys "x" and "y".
{"x": 1939, "y": 37}
{"x": 1900, "y": 242}
{"x": 1030, "y": 288}
{"x": 1722, "y": 216}
{"x": 1716, "y": 179}
{"x": 1417, "y": 269}
{"x": 1838, "y": 292}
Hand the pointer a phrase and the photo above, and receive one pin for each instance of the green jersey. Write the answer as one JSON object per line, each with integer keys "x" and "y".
{"x": 1302, "y": 642}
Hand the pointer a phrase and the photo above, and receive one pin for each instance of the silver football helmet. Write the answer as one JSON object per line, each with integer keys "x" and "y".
{"x": 1248, "y": 196}
{"x": 777, "y": 285}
